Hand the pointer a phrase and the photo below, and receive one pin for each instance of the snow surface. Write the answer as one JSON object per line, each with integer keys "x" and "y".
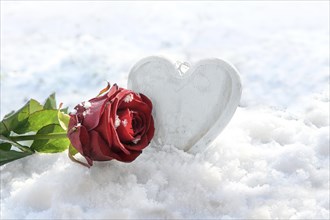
{"x": 272, "y": 160}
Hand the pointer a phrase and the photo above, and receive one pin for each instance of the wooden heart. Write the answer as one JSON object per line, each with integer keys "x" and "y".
{"x": 190, "y": 109}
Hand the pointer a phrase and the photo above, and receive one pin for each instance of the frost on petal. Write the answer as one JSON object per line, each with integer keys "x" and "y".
{"x": 117, "y": 121}
{"x": 128, "y": 98}
{"x": 124, "y": 122}
{"x": 87, "y": 104}
{"x": 136, "y": 140}
{"x": 86, "y": 112}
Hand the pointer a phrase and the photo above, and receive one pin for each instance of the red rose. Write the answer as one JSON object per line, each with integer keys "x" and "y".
{"x": 116, "y": 125}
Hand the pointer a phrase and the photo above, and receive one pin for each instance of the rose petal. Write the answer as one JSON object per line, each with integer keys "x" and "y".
{"x": 119, "y": 94}
{"x": 135, "y": 105}
{"x": 103, "y": 127}
{"x": 151, "y": 129}
{"x": 92, "y": 118}
{"x": 100, "y": 150}
{"x": 139, "y": 124}
{"x": 140, "y": 145}
{"x": 123, "y": 93}
{"x": 115, "y": 139}
{"x": 75, "y": 140}
{"x": 146, "y": 100}
{"x": 114, "y": 90}
{"x": 79, "y": 108}
{"x": 80, "y": 140}
{"x": 75, "y": 133}
{"x": 128, "y": 158}
{"x": 125, "y": 132}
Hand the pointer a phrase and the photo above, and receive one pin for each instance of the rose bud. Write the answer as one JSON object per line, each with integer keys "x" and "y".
{"x": 116, "y": 125}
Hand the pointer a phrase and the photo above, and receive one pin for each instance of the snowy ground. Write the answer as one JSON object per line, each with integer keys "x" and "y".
{"x": 272, "y": 161}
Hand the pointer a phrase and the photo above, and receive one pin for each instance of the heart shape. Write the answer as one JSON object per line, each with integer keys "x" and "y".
{"x": 190, "y": 109}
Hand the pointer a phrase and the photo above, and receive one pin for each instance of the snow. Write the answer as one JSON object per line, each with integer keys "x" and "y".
{"x": 87, "y": 104}
{"x": 117, "y": 121}
{"x": 128, "y": 98}
{"x": 124, "y": 122}
{"x": 271, "y": 161}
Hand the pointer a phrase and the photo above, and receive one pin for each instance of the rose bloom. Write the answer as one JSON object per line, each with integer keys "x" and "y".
{"x": 116, "y": 125}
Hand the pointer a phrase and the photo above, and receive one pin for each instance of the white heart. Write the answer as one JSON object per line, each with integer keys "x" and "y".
{"x": 190, "y": 109}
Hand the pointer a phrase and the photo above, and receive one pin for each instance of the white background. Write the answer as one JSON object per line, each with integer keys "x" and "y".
{"x": 272, "y": 161}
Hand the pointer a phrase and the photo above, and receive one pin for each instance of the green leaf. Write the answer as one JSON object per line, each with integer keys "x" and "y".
{"x": 37, "y": 120}
{"x": 73, "y": 151}
{"x": 18, "y": 119}
{"x": 9, "y": 114}
{"x": 5, "y": 146}
{"x": 50, "y": 102}
{"x": 51, "y": 145}
{"x": 3, "y": 129}
{"x": 11, "y": 155}
{"x": 65, "y": 110}
{"x": 4, "y": 139}
{"x": 7, "y": 140}
{"x": 63, "y": 120}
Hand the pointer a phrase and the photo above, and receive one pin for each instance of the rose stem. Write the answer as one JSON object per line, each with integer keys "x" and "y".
{"x": 39, "y": 136}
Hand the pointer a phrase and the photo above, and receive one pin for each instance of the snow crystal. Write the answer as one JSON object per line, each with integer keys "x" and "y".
{"x": 124, "y": 122}
{"x": 136, "y": 140}
{"x": 86, "y": 112}
{"x": 87, "y": 104}
{"x": 117, "y": 121}
{"x": 128, "y": 98}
